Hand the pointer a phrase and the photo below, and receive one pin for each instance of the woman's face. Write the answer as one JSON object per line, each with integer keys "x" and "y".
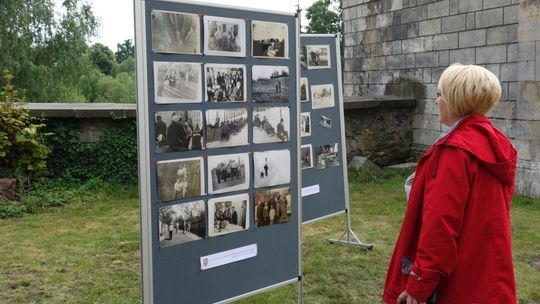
{"x": 445, "y": 117}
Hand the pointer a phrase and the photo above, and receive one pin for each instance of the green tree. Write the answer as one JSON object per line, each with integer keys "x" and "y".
{"x": 45, "y": 48}
{"x": 102, "y": 57}
{"x": 125, "y": 50}
{"x": 324, "y": 16}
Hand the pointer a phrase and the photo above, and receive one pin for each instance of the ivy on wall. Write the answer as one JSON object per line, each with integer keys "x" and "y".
{"x": 112, "y": 159}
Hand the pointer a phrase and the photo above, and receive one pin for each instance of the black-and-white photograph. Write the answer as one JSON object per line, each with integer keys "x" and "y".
{"x": 181, "y": 223}
{"x": 228, "y": 172}
{"x": 226, "y": 128}
{"x": 178, "y": 131}
{"x": 272, "y": 207}
{"x": 225, "y": 83}
{"x": 306, "y": 154}
{"x": 305, "y": 124}
{"x": 318, "y": 56}
{"x": 270, "y": 83}
{"x": 224, "y": 36}
{"x": 326, "y": 122}
{"x": 271, "y": 124}
{"x": 229, "y": 214}
{"x": 271, "y": 168}
{"x": 304, "y": 94}
{"x": 269, "y": 39}
{"x": 322, "y": 96}
{"x": 180, "y": 178}
{"x": 177, "y": 82}
{"x": 326, "y": 156}
{"x": 176, "y": 33}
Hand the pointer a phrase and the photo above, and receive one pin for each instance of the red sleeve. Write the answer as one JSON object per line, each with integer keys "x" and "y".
{"x": 447, "y": 187}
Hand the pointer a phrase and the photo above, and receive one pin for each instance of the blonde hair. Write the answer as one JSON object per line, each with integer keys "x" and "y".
{"x": 469, "y": 89}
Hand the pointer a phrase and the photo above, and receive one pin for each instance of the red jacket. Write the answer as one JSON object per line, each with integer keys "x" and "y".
{"x": 456, "y": 235}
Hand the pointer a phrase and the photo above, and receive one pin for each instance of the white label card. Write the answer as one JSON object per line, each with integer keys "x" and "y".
{"x": 229, "y": 256}
{"x": 310, "y": 190}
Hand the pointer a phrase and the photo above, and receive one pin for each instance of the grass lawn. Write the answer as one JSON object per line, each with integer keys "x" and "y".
{"x": 88, "y": 251}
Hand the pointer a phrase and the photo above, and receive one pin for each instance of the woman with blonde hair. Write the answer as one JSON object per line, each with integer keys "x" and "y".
{"x": 455, "y": 241}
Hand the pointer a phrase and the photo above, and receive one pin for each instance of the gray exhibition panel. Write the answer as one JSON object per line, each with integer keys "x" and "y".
{"x": 332, "y": 196}
{"x": 173, "y": 274}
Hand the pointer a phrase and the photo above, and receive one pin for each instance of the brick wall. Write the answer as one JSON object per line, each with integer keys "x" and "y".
{"x": 401, "y": 47}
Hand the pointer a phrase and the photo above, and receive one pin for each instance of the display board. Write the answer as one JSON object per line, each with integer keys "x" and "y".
{"x": 323, "y": 152}
{"x": 219, "y": 150}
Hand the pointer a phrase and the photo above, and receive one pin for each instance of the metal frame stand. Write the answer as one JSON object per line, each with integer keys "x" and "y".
{"x": 352, "y": 239}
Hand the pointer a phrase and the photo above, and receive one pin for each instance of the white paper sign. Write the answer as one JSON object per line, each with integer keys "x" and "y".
{"x": 229, "y": 256}
{"x": 310, "y": 190}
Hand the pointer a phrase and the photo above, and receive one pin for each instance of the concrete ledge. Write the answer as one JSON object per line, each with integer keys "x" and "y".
{"x": 82, "y": 110}
{"x": 367, "y": 102}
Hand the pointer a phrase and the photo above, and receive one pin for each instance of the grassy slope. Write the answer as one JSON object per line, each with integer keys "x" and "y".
{"x": 89, "y": 252}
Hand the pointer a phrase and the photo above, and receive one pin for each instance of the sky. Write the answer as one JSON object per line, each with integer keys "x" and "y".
{"x": 116, "y": 16}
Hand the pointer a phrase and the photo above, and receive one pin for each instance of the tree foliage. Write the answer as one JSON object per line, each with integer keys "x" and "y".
{"x": 102, "y": 57}
{"x": 125, "y": 50}
{"x": 324, "y": 16}
{"x": 23, "y": 150}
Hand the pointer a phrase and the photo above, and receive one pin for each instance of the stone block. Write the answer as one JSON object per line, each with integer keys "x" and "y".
{"x": 504, "y": 125}
{"x": 526, "y": 71}
{"x": 370, "y": 36}
{"x": 495, "y": 69}
{"x": 348, "y": 52}
{"x": 371, "y": 22}
{"x": 396, "y": 47}
{"x": 429, "y": 27}
{"x": 527, "y": 50}
{"x": 489, "y": 18}
{"x": 537, "y": 62}
{"x": 491, "y": 54}
{"x": 527, "y": 130}
{"x": 396, "y": 18}
{"x": 380, "y": 77}
{"x": 396, "y": 5}
{"x": 383, "y": 20}
{"x": 357, "y": 25}
{"x": 454, "y": 23}
{"x": 428, "y": 59}
{"x": 529, "y": 20}
{"x": 413, "y": 30}
{"x": 425, "y": 137}
{"x": 438, "y": 9}
{"x": 362, "y": 11}
{"x": 436, "y": 75}
{"x": 465, "y": 6}
{"x": 411, "y": 60}
{"x": 502, "y": 34}
{"x": 513, "y": 54}
{"x": 414, "y": 45}
{"x": 514, "y": 91}
{"x": 444, "y": 58}
{"x": 376, "y": 90}
{"x": 396, "y": 62}
{"x": 504, "y": 91}
{"x": 528, "y": 103}
{"x": 472, "y": 38}
{"x": 470, "y": 21}
{"x": 510, "y": 14}
{"x": 414, "y": 14}
{"x": 426, "y": 75}
{"x": 503, "y": 110}
{"x": 528, "y": 177}
{"x": 397, "y": 32}
{"x": 426, "y": 122}
{"x": 454, "y": 5}
{"x": 509, "y": 72}
{"x": 495, "y": 3}
{"x": 527, "y": 150}
{"x": 464, "y": 56}
{"x": 349, "y": 13}
{"x": 445, "y": 42}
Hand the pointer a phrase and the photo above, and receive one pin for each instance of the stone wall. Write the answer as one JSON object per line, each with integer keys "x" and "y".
{"x": 401, "y": 47}
{"x": 379, "y": 129}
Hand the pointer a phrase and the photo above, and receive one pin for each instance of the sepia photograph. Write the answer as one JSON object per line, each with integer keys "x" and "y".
{"x": 326, "y": 122}
{"x": 180, "y": 178}
{"x": 271, "y": 168}
{"x": 304, "y": 94}
{"x": 226, "y": 128}
{"x": 271, "y": 124}
{"x": 229, "y": 214}
{"x": 181, "y": 223}
{"x": 269, "y": 39}
{"x": 178, "y": 131}
{"x": 270, "y": 83}
{"x": 228, "y": 172}
{"x": 305, "y": 124}
{"x": 272, "y": 207}
{"x": 326, "y": 156}
{"x": 224, "y": 36}
{"x": 306, "y": 153}
{"x": 176, "y": 33}
{"x": 318, "y": 56}
{"x": 225, "y": 83}
{"x": 177, "y": 82}
{"x": 322, "y": 96}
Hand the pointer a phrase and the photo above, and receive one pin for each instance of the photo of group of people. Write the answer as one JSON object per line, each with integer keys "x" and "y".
{"x": 181, "y": 223}
{"x": 318, "y": 56}
{"x": 272, "y": 206}
{"x": 229, "y": 172}
{"x": 228, "y": 214}
{"x": 224, "y": 36}
{"x": 271, "y": 124}
{"x": 177, "y": 82}
{"x": 178, "y": 131}
{"x": 226, "y": 128}
{"x": 225, "y": 83}
{"x": 179, "y": 179}
{"x": 270, "y": 83}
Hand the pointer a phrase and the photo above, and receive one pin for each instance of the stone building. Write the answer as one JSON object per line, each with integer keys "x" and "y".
{"x": 400, "y": 48}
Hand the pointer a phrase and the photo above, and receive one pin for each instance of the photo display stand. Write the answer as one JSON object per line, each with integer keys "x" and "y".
{"x": 325, "y": 190}
{"x": 219, "y": 149}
